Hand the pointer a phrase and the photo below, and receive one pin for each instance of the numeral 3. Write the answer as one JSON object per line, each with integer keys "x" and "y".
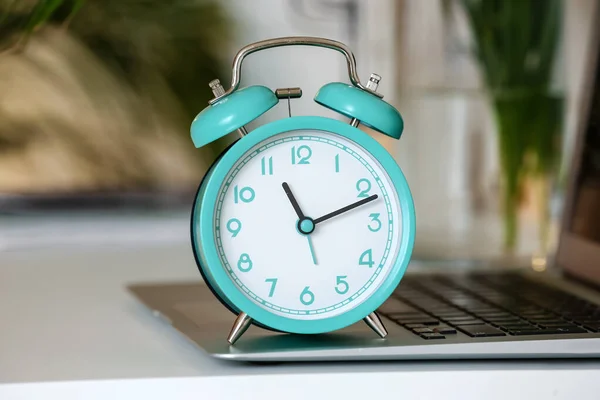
{"x": 375, "y": 224}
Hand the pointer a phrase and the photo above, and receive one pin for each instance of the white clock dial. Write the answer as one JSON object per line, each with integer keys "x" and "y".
{"x": 334, "y": 267}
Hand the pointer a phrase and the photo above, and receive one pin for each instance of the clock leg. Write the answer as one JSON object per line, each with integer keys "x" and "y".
{"x": 375, "y": 323}
{"x": 241, "y": 324}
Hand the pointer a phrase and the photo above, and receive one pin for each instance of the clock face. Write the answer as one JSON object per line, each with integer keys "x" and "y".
{"x": 307, "y": 224}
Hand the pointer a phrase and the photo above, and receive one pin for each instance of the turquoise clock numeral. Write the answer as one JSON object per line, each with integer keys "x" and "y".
{"x": 244, "y": 264}
{"x": 307, "y": 297}
{"x": 363, "y": 186}
{"x": 366, "y": 258}
{"x": 374, "y": 218}
{"x": 245, "y": 194}
{"x": 337, "y": 163}
{"x": 266, "y": 165}
{"x": 340, "y": 280}
{"x": 273, "y": 282}
{"x": 301, "y": 155}
{"x": 234, "y": 226}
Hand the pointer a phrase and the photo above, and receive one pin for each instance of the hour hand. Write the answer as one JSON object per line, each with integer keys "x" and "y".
{"x": 290, "y": 196}
{"x": 344, "y": 209}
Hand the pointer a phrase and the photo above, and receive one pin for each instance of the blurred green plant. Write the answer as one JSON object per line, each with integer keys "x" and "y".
{"x": 164, "y": 52}
{"x": 20, "y": 19}
{"x": 178, "y": 39}
{"x": 515, "y": 43}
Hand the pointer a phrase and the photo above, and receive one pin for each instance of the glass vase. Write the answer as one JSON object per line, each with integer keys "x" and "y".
{"x": 528, "y": 132}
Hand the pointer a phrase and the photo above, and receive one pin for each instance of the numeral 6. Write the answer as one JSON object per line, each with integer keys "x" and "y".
{"x": 307, "y": 297}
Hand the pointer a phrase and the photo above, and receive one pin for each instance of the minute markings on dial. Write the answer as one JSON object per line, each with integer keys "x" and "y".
{"x": 344, "y": 209}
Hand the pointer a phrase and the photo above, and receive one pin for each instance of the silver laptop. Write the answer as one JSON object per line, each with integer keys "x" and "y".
{"x": 445, "y": 313}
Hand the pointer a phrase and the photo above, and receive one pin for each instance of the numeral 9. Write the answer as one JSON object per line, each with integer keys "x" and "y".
{"x": 234, "y": 226}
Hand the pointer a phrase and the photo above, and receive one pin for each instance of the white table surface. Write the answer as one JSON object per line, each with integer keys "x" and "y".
{"x": 69, "y": 330}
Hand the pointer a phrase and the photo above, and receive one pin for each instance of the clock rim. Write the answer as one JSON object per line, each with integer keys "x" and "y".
{"x": 208, "y": 249}
{"x": 197, "y": 254}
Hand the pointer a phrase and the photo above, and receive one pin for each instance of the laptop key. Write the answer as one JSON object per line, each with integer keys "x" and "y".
{"x": 518, "y": 326}
{"x": 569, "y": 329}
{"x": 593, "y": 328}
{"x": 407, "y": 314}
{"x": 413, "y": 326}
{"x": 453, "y": 314}
{"x": 548, "y": 331}
{"x": 445, "y": 330}
{"x": 393, "y": 305}
{"x": 577, "y": 318}
{"x": 536, "y": 316}
{"x": 590, "y": 322}
{"x": 434, "y": 335}
{"x": 543, "y": 321}
{"x": 424, "y": 321}
{"x": 558, "y": 324}
{"x": 503, "y": 320}
{"x": 452, "y": 320}
{"x": 469, "y": 322}
{"x": 523, "y": 332}
{"x": 481, "y": 331}
{"x": 493, "y": 314}
{"x": 422, "y": 330}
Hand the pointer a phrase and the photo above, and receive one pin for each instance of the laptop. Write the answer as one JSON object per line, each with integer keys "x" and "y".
{"x": 445, "y": 313}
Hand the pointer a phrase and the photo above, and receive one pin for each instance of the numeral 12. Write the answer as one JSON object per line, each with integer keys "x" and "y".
{"x": 301, "y": 155}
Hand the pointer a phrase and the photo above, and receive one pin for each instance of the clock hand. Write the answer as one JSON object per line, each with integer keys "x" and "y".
{"x": 344, "y": 209}
{"x": 295, "y": 204}
{"x": 303, "y": 222}
{"x": 312, "y": 250}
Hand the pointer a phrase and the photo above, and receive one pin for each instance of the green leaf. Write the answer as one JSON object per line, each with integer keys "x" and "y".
{"x": 41, "y": 14}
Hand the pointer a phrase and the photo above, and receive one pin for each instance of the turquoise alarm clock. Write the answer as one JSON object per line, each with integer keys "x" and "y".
{"x": 305, "y": 224}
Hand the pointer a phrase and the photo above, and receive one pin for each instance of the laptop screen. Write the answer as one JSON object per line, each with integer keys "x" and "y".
{"x": 579, "y": 249}
{"x": 585, "y": 213}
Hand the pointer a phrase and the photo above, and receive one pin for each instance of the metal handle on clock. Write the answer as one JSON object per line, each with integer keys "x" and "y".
{"x": 293, "y": 41}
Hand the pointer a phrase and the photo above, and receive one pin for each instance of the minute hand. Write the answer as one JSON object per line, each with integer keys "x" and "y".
{"x": 344, "y": 209}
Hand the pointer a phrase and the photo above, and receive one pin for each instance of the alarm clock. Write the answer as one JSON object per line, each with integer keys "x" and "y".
{"x": 305, "y": 224}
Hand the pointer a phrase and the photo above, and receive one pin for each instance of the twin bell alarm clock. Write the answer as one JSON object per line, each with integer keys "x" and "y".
{"x": 305, "y": 224}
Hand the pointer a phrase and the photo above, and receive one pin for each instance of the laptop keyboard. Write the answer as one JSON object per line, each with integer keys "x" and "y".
{"x": 488, "y": 305}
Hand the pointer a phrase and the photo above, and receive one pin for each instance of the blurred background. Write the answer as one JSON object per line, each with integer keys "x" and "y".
{"x": 96, "y": 99}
